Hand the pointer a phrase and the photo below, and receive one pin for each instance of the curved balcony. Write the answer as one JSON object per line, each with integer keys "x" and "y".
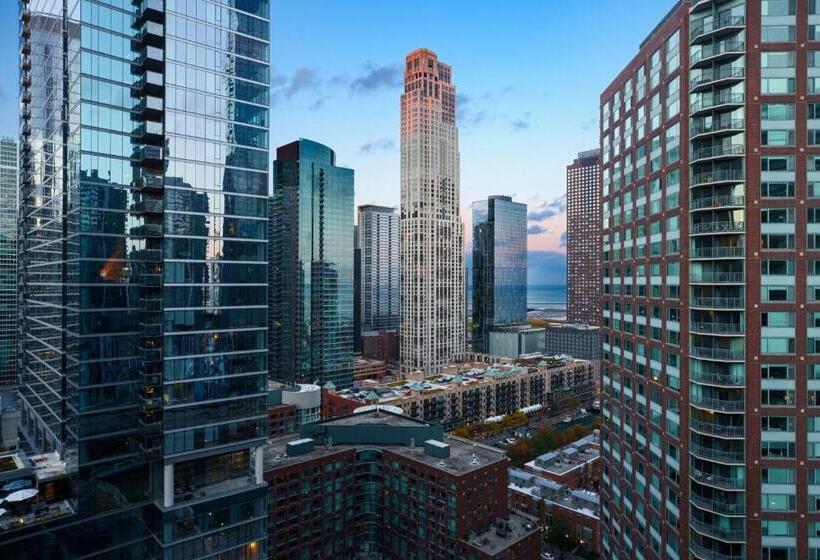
{"x": 712, "y": 429}
{"x": 718, "y": 405}
{"x": 717, "y": 354}
{"x": 723, "y": 78}
{"x": 720, "y": 128}
{"x": 719, "y": 329}
{"x": 712, "y": 228}
{"x": 717, "y": 53}
{"x": 717, "y": 253}
{"x": 717, "y": 506}
{"x": 713, "y": 202}
{"x": 718, "y": 379}
{"x": 717, "y": 177}
{"x": 722, "y": 26}
{"x": 718, "y": 303}
{"x": 717, "y": 481}
{"x": 725, "y": 101}
{"x": 715, "y": 532}
{"x": 716, "y": 278}
{"x": 718, "y": 152}
{"x": 699, "y": 5}
{"x": 704, "y": 553}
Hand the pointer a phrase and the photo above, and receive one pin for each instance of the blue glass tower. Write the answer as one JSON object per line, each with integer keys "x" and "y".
{"x": 8, "y": 262}
{"x": 499, "y": 266}
{"x": 143, "y": 240}
{"x": 312, "y": 266}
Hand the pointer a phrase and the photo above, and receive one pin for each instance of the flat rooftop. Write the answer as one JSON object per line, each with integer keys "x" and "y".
{"x": 568, "y": 458}
{"x": 581, "y": 501}
{"x": 506, "y": 532}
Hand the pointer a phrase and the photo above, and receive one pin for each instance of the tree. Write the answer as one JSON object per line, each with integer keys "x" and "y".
{"x": 560, "y": 534}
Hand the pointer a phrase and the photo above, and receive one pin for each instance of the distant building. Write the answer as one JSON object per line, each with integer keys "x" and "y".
{"x": 584, "y": 238}
{"x": 379, "y": 484}
{"x": 471, "y": 392}
{"x": 382, "y": 345}
{"x": 364, "y": 368}
{"x": 548, "y": 501}
{"x": 8, "y": 262}
{"x": 290, "y": 406}
{"x": 433, "y": 300}
{"x": 311, "y": 284}
{"x": 577, "y": 465}
{"x": 513, "y": 342}
{"x": 499, "y": 267}
{"x": 574, "y": 339}
{"x": 378, "y": 241}
{"x": 357, "y": 291}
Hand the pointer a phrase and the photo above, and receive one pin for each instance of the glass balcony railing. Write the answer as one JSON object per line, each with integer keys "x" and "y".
{"x": 717, "y": 126}
{"x": 708, "y": 52}
{"x": 713, "y": 26}
{"x": 724, "y": 201}
{"x": 716, "y": 531}
{"x": 717, "y": 506}
{"x": 719, "y": 405}
{"x": 718, "y": 151}
{"x": 717, "y": 252}
{"x": 704, "y": 553}
{"x": 724, "y": 482}
{"x": 716, "y": 277}
{"x": 710, "y": 353}
{"x": 718, "y": 302}
{"x": 718, "y": 430}
{"x": 718, "y": 176}
{"x": 717, "y": 378}
{"x": 707, "y": 79}
{"x": 717, "y": 328}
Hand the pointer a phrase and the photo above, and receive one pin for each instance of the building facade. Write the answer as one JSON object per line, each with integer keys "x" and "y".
{"x": 8, "y": 262}
{"x": 143, "y": 185}
{"x": 378, "y": 484}
{"x": 576, "y": 340}
{"x": 583, "y": 238}
{"x": 513, "y": 342}
{"x": 433, "y": 298}
{"x": 709, "y": 274}
{"x": 378, "y": 239}
{"x": 312, "y": 266}
{"x": 499, "y": 267}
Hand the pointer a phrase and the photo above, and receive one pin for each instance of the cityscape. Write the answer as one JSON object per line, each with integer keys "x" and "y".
{"x": 533, "y": 281}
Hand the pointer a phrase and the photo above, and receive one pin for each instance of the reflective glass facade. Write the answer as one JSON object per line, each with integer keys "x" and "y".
{"x": 312, "y": 266}
{"x": 143, "y": 232}
{"x": 8, "y": 262}
{"x": 378, "y": 236}
{"x": 499, "y": 266}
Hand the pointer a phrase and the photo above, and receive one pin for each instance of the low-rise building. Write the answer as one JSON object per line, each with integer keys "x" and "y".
{"x": 473, "y": 391}
{"x": 381, "y": 345}
{"x": 547, "y": 500}
{"x": 515, "y": 341}
{"x": 574, "y": 339}
{"x": 577, "y": 465}
{"x": 390, "y": 486}
{"x": 366, "y": 368}
{"x": 290, "y": 406}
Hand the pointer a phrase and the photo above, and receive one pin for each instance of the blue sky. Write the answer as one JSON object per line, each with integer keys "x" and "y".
{"x": 528, "y": 73}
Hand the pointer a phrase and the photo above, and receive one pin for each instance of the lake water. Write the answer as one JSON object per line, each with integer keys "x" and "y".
{"x": 549, "y": 301}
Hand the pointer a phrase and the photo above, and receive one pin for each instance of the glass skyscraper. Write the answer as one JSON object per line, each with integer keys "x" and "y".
{"x": 312, "y": 266}
{"x": 378, "y": 238}
{"x": 499, "y": 266}
{"x": 8, "y": 262}
{"x": 143, "y": 234}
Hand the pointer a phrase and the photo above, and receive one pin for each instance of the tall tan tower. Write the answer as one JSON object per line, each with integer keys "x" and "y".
{"x": 431, "y": 233}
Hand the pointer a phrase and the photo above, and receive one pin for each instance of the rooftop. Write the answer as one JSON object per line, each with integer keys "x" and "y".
{"x": 386, "y": 431}
{"x": 581, "y": 501}
{"x": 569, "y": 458}
{"x": 507, "y": 531}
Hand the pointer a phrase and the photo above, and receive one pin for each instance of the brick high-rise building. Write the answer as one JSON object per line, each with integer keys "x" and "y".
{"x": 711, "y": 361}
{"x": 433, "y": 295}
{"x": 583, "y": 238}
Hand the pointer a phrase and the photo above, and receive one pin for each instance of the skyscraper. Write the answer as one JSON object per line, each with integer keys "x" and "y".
{"x": 584, "y": 238}
{"x": 499, "y": 267}
{"x": 432, "y": 235}
{"x": 378, "y": 233}
{"x": 710, "y": 247}
{"x": 8, "y": 262}
{"x": 143, "y": 187}
{"x": 312, "y": 261}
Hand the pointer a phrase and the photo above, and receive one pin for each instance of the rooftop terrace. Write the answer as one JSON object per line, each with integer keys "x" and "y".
{"x": 569, "y": 458}
{"x": 581, "y": 501}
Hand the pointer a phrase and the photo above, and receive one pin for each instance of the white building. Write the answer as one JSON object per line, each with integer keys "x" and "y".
{"x": 431, "y": 233}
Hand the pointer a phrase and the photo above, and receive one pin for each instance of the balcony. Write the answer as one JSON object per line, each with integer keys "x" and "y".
{"x": 721, "y": 26}
{"x": 149, "y": 132}
{"x": 716, "y": 278}
{"x": 698, "y": 5}
{"x": 719, "y": 379}
{"x": 716, "y": 177}
{"x": 717, "y": 430}
{"x": 712, "y": 202}
{"x": 718, "y": 302}
{"x": 150, "y": 107}
{"x": 150, "y": 10}
{"x": 146, "y": 230}
{"x": 25, "y": 79}
{"x": 151, "y": 330}
{"x": 150, "y": 83}
{"x": 726, "y": 329}
{"x": 721, "y": 127}
{"x": 147, "y": 255}
{"x": 151, "y": 304}
{"x": 716, "y": 53}
{"x": 717, "y": 253}
{"x": 718, "y": 405}
{"x": 150, "y": 57}
{"x": 717, "y": 354}
{"x": 718, "y": 152}
{"x": 704, "y": 553}
{"x": 717, "y": 506}
{"x": 716, "y": 532}
{"x": 26, "y": 63}
{"x": 151, "y": 33}
{"x": 149, "y": 155}
{"x": 146, "y": 181}
{"x": 717, "y": 481}
{"x": 147, "y": 206}
{"x": 712, "y": 79}
{"x": 716, "y": 455}
{"x": 724, "y": 101}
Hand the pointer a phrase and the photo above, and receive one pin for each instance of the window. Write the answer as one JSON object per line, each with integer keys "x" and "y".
{"x": 777, "y": 163}
{"x": 777, "y": 502}
{"x": 777, "y": 111}
{"x": 777, "y": 267}
{"x": 781, "y": 137}
{"x": 777, "y": 371}
{"x": 774, "y": 79}
{"x": 777, "y": 216}
{"x": 777, "y": 189}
